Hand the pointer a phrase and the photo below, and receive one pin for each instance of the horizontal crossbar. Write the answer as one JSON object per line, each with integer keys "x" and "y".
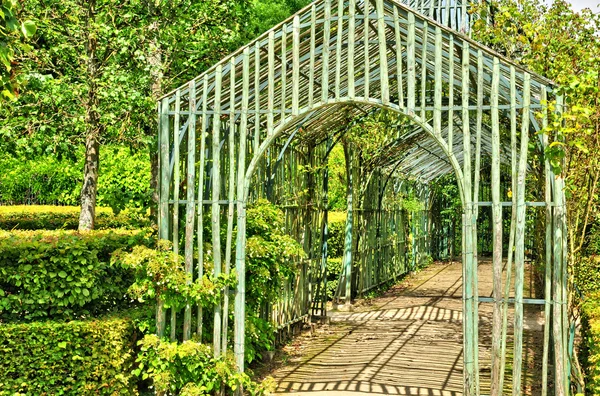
{"x": 529, "y": 301}
{"x": 510, "y": 203}
{"x": 289, "y": 111}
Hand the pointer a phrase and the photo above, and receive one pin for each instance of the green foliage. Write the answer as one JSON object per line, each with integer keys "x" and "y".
{"x": 336, "y": 234}
{"x": 12, "y": 46}
{"x": 123, "y": 183}
{"x": 272, "y": 257}
{"x": 79, "y": 357}
{"x": 271, "y": 254}
{"x": 65, "y": 218}
{"x": 564, "y": 46}
{"x": 190, "y": 368}
{"x": 268, "y": 13}
{"x": 63, "y": 275}
{"x": 139, "y": 55}
{"x": 334, "y": 269}
{"x": 412, "y": 205}
{"x": 260, "y": 336}
{"x": 373, "y": 131}
{"x": 591, "y": 343}
{"x": 159, "y": 273}
{"x": 337, "y": 191}
{"x": 586, "y": 274}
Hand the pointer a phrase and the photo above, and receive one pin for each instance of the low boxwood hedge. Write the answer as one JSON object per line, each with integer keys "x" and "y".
{"x": 42, "y": 217}
{"x": 63, "y": 274}
{"x": 75, "y": 358}
{"x": 591, "y": 343}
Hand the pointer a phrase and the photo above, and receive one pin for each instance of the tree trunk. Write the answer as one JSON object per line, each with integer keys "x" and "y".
{"x": 89, "y": 189}
{"x": 90, "y": 183}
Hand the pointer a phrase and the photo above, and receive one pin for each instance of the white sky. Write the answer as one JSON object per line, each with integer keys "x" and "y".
{"x": 580, "y": 4}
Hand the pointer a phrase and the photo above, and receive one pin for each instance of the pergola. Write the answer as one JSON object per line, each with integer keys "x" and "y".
{"x": 331, "y": 63}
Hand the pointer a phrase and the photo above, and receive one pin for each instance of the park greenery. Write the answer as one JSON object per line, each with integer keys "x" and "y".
{"x": 79, "y": 83}
{"x": 564, "y": 46}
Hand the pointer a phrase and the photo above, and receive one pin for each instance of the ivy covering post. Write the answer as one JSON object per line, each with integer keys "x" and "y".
{"x": 330, "y": 68}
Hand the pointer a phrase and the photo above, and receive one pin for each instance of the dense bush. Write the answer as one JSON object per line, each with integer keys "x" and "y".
{"x": 63, "y": 274}
{"x": 334, "y": 268}
{"x": 78, "y": 357}
{"x": 591, "y": 343}
{"x": 159, "y": 274}
{"x": 586, "y": 273}
{"x": 190, "y": 368}
{"x": 272, "y": 255}
{"x": 336, "y": 235}
{"x": 123, "y": 182}
{"x": 259, "y": 337}
{"x": 41, "y": 217}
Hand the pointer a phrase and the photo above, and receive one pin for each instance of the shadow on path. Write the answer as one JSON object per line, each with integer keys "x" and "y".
{"x": 406, "y": 342}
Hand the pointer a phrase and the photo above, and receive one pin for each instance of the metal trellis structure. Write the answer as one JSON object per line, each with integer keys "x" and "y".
{"x": 246, "y": 125}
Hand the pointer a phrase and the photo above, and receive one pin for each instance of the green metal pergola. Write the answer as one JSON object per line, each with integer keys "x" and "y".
{"x": 282, "y": 100}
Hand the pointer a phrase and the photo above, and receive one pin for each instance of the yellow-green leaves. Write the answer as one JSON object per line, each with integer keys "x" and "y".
{"x": 78, "y": 357}
{"x": 11, "y": 47}
{"x": 63, "y": 275}
{"x": 159, "y": 273}
{"x": 28, "y": 28}
{"x": 189, "y": 368}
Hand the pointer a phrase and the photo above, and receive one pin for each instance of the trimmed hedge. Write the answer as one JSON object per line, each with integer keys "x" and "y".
{"x": 591, "y": 343}
{"x": 41, "y": 217}
{"x": 123, "y": 183}
{"x": 63, "y": 274}
{"x": 78, "y": 357}
{"x": 586, "y": 274}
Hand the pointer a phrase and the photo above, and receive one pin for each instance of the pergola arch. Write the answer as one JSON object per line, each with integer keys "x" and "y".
{"x": 332, "y": 62}
{"x": 278, "y": 132}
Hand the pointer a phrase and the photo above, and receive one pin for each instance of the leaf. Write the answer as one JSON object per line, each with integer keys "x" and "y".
{"x": 85, "y": 292}
{"x": 28, "y": 28}
{"x": 62, "y": 344}
{"x": 62, "y": 274}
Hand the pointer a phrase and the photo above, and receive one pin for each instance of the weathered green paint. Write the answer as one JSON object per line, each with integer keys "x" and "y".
{"x": 297, "y": 105}
{"x": 215, "y": 208}
{"x": 190, "y": 207}
{"x": 520, "y": 240}
{"x": 497, "y": 235}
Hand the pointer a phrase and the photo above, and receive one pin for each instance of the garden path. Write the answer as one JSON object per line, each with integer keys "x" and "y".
{"x": 408, "y": 341}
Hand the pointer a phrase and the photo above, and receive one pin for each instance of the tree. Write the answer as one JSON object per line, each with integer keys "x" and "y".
{"x": 98, "y": 67}
{"x": 564, "y": 46}
{"x": 11, "y": 46}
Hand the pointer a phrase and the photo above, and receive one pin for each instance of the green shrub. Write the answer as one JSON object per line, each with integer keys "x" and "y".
{"x": 272, "y": 256}
{"x": 160, "y": 275}
{"x": 190, "y": 368}
{"x": 336, "y": 229}
{"x": 592, "y": 242}
{"x": 43, "y": 181}
{"x": 587, "y": 274}
{"x": 334, "y": 268}
{"x": 123, "y": 182}
{"x": 591, "y": 343}
{"x": 260, "y": 336}
{"x": 63, "y": 274}
{"x": 78, "y": 357}
{"x": 42, "y": 217}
